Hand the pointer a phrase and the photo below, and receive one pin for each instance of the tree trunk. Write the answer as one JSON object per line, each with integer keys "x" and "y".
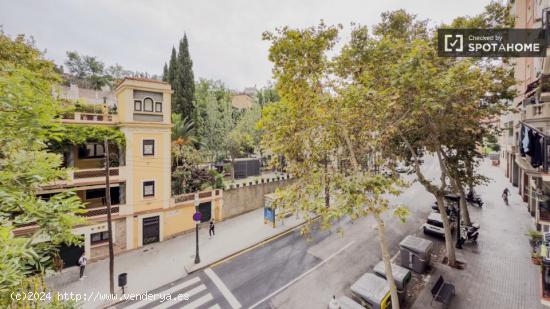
{"x": 459, "y": 190}
{"x": 447, "y": 227}
{"x": 387, "y": 261}
{"x": 464, "y": 207}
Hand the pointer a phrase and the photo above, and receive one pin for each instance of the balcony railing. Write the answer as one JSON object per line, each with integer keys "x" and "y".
{"x": 80, "y": 117}
{"x": 101, "y": 211}
{"x": 91, "y": 173}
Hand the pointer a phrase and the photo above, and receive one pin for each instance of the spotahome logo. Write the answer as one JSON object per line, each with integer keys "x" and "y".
{"x": 491, "y": 43}
{"x": 454, "y": 43}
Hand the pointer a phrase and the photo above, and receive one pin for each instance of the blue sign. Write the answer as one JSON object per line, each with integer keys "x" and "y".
{"x": 268, "y": 214}
{"x": 197, "y": 216}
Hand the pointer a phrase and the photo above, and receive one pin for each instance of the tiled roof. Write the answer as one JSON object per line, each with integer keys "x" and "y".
{"x": 242, "y": 101}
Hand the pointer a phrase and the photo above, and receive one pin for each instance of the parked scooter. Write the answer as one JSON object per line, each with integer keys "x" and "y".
{"x": 469, "y": 233}
{"x": 474, "y": 199}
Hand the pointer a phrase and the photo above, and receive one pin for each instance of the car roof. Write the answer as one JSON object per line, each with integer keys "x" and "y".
{"x": 435, "y": 216}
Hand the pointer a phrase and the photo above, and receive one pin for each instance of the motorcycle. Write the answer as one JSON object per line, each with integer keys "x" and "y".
{"x": 469, "y": 233}
{"x": 474, "y": 199}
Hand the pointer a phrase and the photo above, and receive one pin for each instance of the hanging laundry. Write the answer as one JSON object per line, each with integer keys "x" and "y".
{"x": 535, "y": 145}
{"x": 524, "y": 141}
{"x": 530, "y": 143}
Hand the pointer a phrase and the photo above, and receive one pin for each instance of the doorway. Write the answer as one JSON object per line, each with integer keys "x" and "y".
{"x": 151, "y": 230}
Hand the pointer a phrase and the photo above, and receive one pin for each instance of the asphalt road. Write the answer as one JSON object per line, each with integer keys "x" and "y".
{"x": 295, "y": 272}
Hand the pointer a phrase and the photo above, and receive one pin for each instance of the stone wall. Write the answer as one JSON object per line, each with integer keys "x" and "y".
{"x": 241, "y": 199}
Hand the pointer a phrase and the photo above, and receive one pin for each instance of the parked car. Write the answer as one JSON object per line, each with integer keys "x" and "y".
{"x": 434, "y": 225}
{"x": 401, "y": 168}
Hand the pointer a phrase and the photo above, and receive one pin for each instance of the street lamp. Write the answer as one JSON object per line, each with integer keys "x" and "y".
{"x": 197, "y": 217}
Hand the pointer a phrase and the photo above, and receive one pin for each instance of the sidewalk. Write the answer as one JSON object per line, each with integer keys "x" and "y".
{"x": 157, "y": 264}
{"x": 498, "y": 272}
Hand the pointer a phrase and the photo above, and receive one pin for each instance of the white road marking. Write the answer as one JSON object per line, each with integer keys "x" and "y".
{"x": 201, "y": 301}
{"x": 302, "y": 275}
{"x": 231, "y": 299}
{"x": 216, "y": 306}
{"x": 176, "y": 299}
{"x": 165, "y": 292}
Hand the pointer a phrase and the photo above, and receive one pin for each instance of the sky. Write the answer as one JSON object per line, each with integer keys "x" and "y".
{"x": 224, "y": 35}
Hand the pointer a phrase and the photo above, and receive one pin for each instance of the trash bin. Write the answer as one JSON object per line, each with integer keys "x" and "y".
{"x": 401, "y": 275}
{"x": 415, "y": 253}
{"x": 372, "y": 291}
{"x": 348, "y": 303}
{"x": 122, "y": 279}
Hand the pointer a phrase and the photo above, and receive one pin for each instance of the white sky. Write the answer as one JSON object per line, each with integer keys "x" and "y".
{"x": 224, "y": 35}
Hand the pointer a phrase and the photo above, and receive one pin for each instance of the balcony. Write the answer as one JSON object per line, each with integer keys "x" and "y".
{"x": 544, "y": 209}
{"x": 100, "y": 211}
{"x": 536, "y": 112}
{"x": 84, "y": 177}
{"x": 90, "y": 118}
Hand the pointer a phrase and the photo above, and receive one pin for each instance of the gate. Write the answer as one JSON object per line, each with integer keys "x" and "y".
{"x": 151, "y": 230}
{"x": 206, "y": 211}
{"x": 70, "y": 254}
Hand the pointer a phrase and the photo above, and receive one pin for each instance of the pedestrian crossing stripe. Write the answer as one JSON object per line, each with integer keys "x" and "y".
{"x": 198, "y": 302}
{"x": 175, "y": 300}
{"x": 171, "y": 290}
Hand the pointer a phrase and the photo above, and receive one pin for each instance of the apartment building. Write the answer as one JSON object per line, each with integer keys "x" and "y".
{"x": 143, "y": 210}
{"x": 525, "y": 139}
{"x": 530, "y": 121}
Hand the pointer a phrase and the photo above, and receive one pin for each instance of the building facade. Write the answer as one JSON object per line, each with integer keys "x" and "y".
{"x": 143, "y": 209}
{"x": 525, "y": 135}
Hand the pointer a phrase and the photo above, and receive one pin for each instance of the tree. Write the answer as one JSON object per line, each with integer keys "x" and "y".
{"x": 180, "y": 76}
{"x": 318, "y": 125}
{"x": 87, "y": 68}
{"x": 213, "y": 117}
{"x": 27, "y": 113}
{"x": 165, "y": 73}
{"x": 172, "y": 69}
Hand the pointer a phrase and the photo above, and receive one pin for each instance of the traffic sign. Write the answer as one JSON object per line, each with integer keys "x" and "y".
{"x": 197, "y": 216}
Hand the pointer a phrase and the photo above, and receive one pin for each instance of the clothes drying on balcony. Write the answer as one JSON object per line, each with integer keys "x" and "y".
{"x": 531, "y": 144}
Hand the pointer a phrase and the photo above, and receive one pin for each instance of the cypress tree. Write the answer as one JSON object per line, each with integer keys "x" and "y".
{"x": 184, "y": 90}
{"x": 165, "y": 73}
{"x": 172, "y": 68}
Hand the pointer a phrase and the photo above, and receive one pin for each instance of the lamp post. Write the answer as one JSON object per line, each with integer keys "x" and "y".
{"x": 197, "y": 217}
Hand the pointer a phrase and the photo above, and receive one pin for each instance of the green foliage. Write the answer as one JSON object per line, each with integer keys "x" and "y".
{"x": 72, "y": 134}
{"x": 87, "y": 68}
{"x": 27, "y": 113}
{"x": 183, "y": 130}
{"x": 179, "y": 73}
{"x": 213, "y": 117}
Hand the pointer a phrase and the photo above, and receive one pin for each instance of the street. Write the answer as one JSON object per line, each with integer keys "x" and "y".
{"x": 265, "y": 277}
{"x": 294, "y": 272}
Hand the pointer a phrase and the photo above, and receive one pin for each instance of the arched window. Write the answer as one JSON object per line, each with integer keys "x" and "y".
{"x": 148, "y": 105}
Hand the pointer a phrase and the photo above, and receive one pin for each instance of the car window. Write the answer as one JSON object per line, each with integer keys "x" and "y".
{"x": 435, "y": 223}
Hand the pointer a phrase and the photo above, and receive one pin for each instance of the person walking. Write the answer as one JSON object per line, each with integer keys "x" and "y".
{"x": 505, "y": 194}
{"x": 333, "y": 304}
{"x": 82, "y": 263}
{"x": 211, "y": 228}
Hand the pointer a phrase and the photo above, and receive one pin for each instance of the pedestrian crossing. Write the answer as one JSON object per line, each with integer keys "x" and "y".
{"x": 190, "y": 293}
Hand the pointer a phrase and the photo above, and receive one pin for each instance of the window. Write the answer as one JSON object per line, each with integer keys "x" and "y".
{"x": 158, "y": 107}
{"x": 91, "y": 150}
{"x": 148, "y": 105}
{"x": 148, "y": 188}
{"x": 95, "y": 193}
{"x": 137, "y": 105}
{"x": 101, "y": 237}
{"x": 148, "y": 147}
